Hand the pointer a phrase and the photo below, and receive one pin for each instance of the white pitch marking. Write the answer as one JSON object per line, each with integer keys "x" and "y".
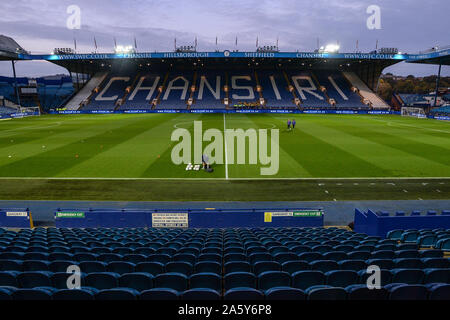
{"x": 406, "y": 191}
{"x": 438, "y": 190}
{"x": 226, "y": 149}
{"x": 326, "y": 191}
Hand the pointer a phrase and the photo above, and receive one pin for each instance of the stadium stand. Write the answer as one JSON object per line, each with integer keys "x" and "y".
{"x": 207, "y": 90}
{"x": 337, "y": 88}
{"x": 375, "y": 101}
{"x": 275, "y": 90}
{"x": 176, "y": 91}
{"x": 83, "y": 95}
{"x": 238, "y": 263}
{"x": 308, "y": 91}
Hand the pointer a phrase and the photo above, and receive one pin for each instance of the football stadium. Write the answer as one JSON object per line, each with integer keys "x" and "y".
{"x": 222, "y": 175}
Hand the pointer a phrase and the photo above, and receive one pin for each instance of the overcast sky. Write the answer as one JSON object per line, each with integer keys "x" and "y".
{"x": 40, "y": 25}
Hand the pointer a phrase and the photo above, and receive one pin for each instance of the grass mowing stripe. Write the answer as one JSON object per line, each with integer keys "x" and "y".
{"x": 398, "y": 162}
{"x": 379, "y": 135}
{"x": 71, "y": 154}
{"x": 65, "y": 134}
{"x": 143, "y": 148}
{"x": 221, "y": 190}
{"x": 325, "y": 158}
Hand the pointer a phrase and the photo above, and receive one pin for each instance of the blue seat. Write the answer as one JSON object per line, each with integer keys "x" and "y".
{"x": 82, "y": 294}
{"x": 436, "y": 263}
{"x": 109, "y": 257}
{"x": 285, "y": 293}
{"x": 324, "y": 265}
{"x": 284, "y": 257}
{"x": 239, "y": 279}
{"x": 406, "y": 254}
{"x": 359, "y": 255}
{"x": 138, "y": 281}
{"x": 408, "y": 292}
{"x": 433, "y": 275}
{"x": 36, "y": 294}
{"x": 33, "y": 256}
{"x": 6, "y": 293}
{"x": 208, "y": 266}
{"x": 242, "y": 293}
{"x": 341, "y": 278}
{"x": 206, "y": 280}
{"x": 61, "y": 266}
{"x": 214, "y": 257}
{"x": 258, "y": 257}
{"x": 354, "y": 265}
{"x": 180, "y": 267}
{"x": 386, "y": 276}
{"x": 54, "y": 256}
{"x": 163, "y": 294}
{"x": 439, "y": 292}
{"x": 8, "y": 278}
{"x": 310, "y": 256}
{"x": 237, "y": 266}
{"x": 59, "y": 279}
{"x": 234, "y": 257}
{"x": 435, "y": 253}
{"x": 408, "y": 263}
{"x": 272, "y": 279}
{"x": 381, "y": 263}
{"x": 383, "y": 254}
{"x": 102, "y": 280}
{"x": 263, "y": 266}
{"x": 154, "y": 268}
{"x": 394, "y": 234}
{"x": 409, "y": 237}
{"x": 33, "y": 279}
{"x": 362, "y": 292}
{"x": 408, "y": 276}
{"x": 11, "y": 265}
{"x": 185, "y": 257}
{"x": 335, "y": 256}
{"x": 171, "y": 280}
{"x": 305, "y": 279}
{"x": 161, "y": 258}
{"x": 80, "y": 257}
{"x": 293, "y": 266}
{"x": 119, "y": 294}
{"x": 35, "y": 265}
{"x": 324, "y": 293}
{"x": 120, "y": 267}
{"x": 92, "y": 266}
{"x": 200, "y": 294}
{"x": 135, "y": 258}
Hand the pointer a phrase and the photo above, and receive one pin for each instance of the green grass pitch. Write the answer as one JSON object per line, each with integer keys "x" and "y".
{"x": 132, "y": 147}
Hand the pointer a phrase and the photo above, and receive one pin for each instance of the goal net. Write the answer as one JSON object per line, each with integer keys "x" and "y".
{"x": 413, "y": 112}
{"x": 30, "y": 111}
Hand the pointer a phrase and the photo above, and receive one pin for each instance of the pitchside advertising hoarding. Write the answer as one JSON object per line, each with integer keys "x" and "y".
{"x": 315, "y": 111}
{"x": 191, "y": 218}
{"x": 16, "y": 218}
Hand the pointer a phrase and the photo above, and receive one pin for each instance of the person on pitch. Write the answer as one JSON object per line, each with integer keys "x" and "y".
{"x": 293, "y": 123}
{"x": 289, "y": 124}
{"x": 205, "y": 162}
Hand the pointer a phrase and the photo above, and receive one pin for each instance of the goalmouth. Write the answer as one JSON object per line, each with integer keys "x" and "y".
{"x": 413, "y": 112}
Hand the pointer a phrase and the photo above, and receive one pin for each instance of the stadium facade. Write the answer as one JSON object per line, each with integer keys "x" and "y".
{"x": 228, "y": 81}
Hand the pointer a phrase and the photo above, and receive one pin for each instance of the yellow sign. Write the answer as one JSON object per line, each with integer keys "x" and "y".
{"x": 267, "y": 216}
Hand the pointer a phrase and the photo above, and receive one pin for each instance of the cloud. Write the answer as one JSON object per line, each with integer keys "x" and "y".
{"x": 40, "y": 25}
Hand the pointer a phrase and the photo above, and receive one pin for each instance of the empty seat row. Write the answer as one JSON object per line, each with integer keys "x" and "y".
{"x": 323, "y": 292}
{"x": 180, "y": 282}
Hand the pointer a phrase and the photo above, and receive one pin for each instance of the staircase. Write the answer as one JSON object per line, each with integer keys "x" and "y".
{"x": 375, "y": 101}
{"x": 86, "y": 91}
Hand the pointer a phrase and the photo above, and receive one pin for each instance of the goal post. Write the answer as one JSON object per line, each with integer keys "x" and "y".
{"x": 413, "y": 112}
{"x": 30, "y": 111}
